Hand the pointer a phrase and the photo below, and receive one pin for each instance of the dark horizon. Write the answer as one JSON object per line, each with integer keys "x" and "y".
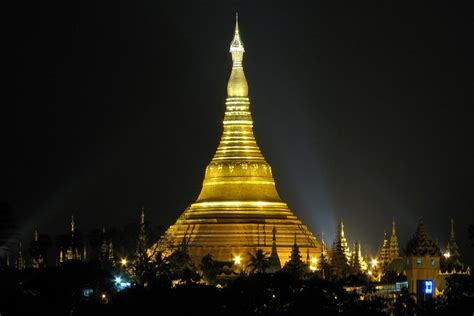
{"x": 363, "y": 111}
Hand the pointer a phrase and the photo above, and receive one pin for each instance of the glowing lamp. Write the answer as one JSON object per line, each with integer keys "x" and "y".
{"x": 237, "y": 260}
{"x": 374, "y": 263}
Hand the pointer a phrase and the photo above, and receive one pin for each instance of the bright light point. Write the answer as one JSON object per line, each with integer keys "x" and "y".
{"x": 103, "y": 295}
{"x": 374, "y": 263}
{"x": 312, "y": 268}
{"x": 237, "y": 260}
{"x": 118, "y": 279}
{"x": 314, "y": 260}
{"x": 447, "y": 255}
{"x": 124, "y": 261}
{"x": 369, "y": 273}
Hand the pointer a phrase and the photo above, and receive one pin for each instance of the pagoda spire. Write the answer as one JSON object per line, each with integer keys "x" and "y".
{"x": 237, "y": 46}
{"x": 20, "y": 260}
{"x": 275, "y": 263}
{"x": 142, "y": 236}
{"x": 237, "y": 85}
{"x": 452, "y": 255}
{"x": 421, "y": 244}
{"x": 72, "y": 224}
{"x": 342, "y": 237}
{"x": 384, "y": 254}
{"x": 394, "y": 248}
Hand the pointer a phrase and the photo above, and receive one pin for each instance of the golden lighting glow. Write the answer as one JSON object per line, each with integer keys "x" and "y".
{"x": 369, "y": 273}
{"x": 237, "y": 260}
{"x": 447, "y": 255}
{"x": 241, "y": 204}
{"x": 124, "y": 261}
{"x": 314, "y": 264}
{"x": 374, "y": 262}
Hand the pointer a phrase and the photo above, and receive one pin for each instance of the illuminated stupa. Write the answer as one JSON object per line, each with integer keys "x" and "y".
{"x": 238, "y": 206}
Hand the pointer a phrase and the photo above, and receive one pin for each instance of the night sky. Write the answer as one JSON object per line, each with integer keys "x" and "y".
{"x": 364, "y": 111}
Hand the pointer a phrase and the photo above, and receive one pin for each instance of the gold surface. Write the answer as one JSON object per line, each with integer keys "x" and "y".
{"x": 239, "y": 205}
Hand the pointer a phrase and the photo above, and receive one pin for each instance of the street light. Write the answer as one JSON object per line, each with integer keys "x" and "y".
{"x": 124, "y": 262}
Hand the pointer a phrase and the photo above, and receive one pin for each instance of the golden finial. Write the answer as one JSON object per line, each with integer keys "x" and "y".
{"x": 36, "y": 235}
{"x": 237, "y": 46}
{"x": 142, "y": 216}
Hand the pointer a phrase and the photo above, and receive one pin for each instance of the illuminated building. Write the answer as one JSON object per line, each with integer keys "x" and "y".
{"x": 73, "y": 248}
{"x": 20, "y": 260}
{"x": 341, "y": 238}
{"x": 394, "y": 250}
{"x": 238, "y": 205}
{"x": 384, "y": 252}
{"x": 36, "y": 253}
{"x": 422, "y": 264}
{"x": 106, "y": 255}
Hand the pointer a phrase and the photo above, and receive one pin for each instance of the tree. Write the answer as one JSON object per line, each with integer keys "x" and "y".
{"x": 147, "y": 262}
{"x": 210, "y": 268}
{"x": 145, "y": 266}
{"x": 405, "y": 304}
{"x": 355, "y": 259}
{"x": 258, "y": 262}
{"x": 339, "y": 266}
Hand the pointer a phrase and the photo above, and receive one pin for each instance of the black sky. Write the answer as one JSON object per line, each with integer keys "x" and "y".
{"x": 364, "y": 110}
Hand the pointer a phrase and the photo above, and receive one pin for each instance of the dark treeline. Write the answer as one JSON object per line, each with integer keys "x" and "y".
{"x": 59, "y": 291}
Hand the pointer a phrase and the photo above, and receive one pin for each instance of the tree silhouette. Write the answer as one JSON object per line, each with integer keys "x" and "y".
{"x": 258, "y": 262}
{"x": 210, "y": 268}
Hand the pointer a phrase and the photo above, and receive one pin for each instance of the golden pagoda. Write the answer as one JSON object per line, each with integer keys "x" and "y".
{"x": 238, "y": 207}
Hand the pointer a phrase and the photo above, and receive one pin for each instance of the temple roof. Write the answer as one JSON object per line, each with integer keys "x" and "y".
{"x": 421, "y": 244}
